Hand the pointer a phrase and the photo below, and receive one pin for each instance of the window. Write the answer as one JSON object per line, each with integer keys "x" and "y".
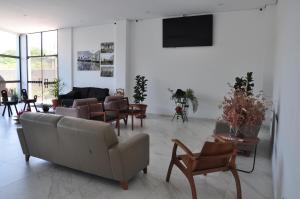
{"x": 9, "y": 63}
{"x": 42, "y": 64}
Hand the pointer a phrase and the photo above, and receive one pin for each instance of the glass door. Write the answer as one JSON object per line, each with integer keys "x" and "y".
{"x": 42, "y": 64}
{"x": 9, "y": 63}
{"x": 49, "y": 73}
{"x": 35, "y": 78}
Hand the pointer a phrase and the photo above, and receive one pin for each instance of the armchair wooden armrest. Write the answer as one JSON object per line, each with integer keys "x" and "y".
{"x": 184, "y": 148}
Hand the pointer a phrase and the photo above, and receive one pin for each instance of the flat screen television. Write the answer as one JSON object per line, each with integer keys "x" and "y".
{"x": 188, "y": 31}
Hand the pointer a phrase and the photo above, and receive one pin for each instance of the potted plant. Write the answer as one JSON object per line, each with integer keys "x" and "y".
{"x": 140, "y": 90}
{"x": 243, "y": 111}
{"x": 56, "y": 88}
{"x": 181, "y": 97}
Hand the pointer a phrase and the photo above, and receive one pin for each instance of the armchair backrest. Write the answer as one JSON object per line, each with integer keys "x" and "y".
{"x": 83, "y": 102}
{"x": 116, "y": 103}
{"x": 24, "y": 94}
{"x": 4, "y": 95}
{"x": 214, "y": 155}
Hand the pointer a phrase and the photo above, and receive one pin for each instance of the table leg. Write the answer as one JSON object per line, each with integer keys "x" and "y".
{"x": 16, "y": 110}
{"x": 253, "y": 165}
{"x": 132, "y": 121}
{"x": 4, "y": 110}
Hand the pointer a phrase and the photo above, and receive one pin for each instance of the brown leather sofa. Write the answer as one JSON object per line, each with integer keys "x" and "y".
{"x": 85, "y": 145}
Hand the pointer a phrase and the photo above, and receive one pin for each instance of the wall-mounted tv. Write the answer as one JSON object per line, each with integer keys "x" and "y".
{"x": 188, "y": 31}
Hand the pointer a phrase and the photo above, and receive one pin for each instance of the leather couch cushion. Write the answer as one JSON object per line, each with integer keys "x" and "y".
{"x": 83, "y": 102}
{"x": 99, "y": 93}
{"x": 41, "y": 134}
{"x": 81, "y": 92}
{"x": 85, "y": 145}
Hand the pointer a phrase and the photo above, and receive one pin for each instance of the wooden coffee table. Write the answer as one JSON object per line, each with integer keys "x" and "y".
{"x": 135, "y": 110}
{"x": 224, "y": 137}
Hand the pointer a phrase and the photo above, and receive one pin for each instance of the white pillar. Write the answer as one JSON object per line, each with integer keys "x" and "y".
{"x": 121, "y": 28}
{"x": 65, "y": 57}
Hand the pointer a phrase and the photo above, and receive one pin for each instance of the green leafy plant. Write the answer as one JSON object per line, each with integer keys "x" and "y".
{"x": 56, "y": 87}
{"x": 140, "y": 89}
{"x": 181, "y": 96}
{"x": 245, "y": 84}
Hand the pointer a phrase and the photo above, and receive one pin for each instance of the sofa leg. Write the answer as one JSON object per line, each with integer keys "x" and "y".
{"x": 27, "y": 158}
{"x": 145, "y": 170}
{"x": 124, "y": 185}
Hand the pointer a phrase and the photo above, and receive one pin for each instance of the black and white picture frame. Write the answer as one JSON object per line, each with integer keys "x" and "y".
{"x": 107, "y": 59}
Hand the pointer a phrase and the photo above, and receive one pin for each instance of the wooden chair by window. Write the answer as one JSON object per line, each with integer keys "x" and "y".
{"x": 8, "y": 103}
{"x": 28, "y": 101}
{"x": 214, "y": 157}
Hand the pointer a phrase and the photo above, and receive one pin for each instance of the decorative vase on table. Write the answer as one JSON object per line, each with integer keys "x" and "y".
{"x": 243, "y": 111}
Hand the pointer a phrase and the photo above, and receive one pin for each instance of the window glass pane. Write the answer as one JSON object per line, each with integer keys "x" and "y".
{"x": 11, "y": 88}
{"x": 9, "y": 43}
{"x": 9, "y": 69}
{"x": 34, "y": 44}
{"x": 50, "y": 43}
{"x": 35, "y": 69}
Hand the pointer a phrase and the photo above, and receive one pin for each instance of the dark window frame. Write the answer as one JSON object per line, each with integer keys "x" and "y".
{"x": 41, "y": 55}
{"x": 20, "y": 64}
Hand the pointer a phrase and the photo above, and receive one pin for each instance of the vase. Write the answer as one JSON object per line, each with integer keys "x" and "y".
{"x": 235, "y": 132}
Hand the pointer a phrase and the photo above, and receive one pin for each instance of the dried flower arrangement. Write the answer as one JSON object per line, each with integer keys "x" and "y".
{"x": 242, "y": 108}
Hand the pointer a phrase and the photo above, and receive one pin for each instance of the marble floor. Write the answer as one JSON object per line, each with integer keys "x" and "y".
{"x": 40, "y": 179}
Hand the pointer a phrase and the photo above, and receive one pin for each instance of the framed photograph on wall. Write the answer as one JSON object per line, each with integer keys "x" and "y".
{"x": 107, "y": 59}
{"x": 107, "y": 71}
{"x": 107, "y": 47}
{"x": 88, "y": 61}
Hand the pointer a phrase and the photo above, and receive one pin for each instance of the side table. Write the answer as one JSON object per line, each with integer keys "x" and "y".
{"x": 243, "y": 141}
{"x": 134, "y": 109}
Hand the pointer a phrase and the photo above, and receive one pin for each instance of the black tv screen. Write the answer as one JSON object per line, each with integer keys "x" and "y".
{"x": 188, "y": 31}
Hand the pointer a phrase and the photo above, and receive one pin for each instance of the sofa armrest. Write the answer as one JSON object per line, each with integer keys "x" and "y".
{"x": 79, "y": 111}
{"x": 129, "y": 157}
{"x": 22, "y": 141}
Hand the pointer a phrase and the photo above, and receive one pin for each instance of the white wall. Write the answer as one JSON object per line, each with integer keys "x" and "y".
{"x": 241, "y": 44}
{"x": 65, "y": 72}
{"x": 90, "y": 38}
{"x": 286, "y": 159}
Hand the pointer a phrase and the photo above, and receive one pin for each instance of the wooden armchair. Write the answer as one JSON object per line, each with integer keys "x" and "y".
{"x": 214, "y": 157}
{"x": 99, "y": 112}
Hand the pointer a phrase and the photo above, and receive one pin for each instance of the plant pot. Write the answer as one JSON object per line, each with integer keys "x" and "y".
{"x": 14, "y": 98}
{"x": 143, "y": 108}
{"x": 46, "y": 108}
{"x": 54, "y": 103}
{"x": 178, "y": 110}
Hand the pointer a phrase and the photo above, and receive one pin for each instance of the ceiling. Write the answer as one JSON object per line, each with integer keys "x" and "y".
{"x": 23, "y": 16}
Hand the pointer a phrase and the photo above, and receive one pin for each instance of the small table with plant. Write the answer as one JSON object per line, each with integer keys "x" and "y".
{"x": 243, "y": 112}
{"x": 181, "y": 99}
